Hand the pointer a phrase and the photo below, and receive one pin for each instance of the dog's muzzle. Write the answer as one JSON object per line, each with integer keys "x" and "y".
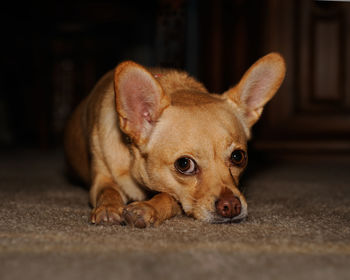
{"x": 229, "y": 208}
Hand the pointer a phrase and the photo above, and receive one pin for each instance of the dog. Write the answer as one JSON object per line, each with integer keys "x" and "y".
{"x": 157, "y": 139}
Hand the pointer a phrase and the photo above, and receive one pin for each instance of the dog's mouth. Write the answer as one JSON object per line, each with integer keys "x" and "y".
{"x": 217, "y": 219}
{"x": 213, "y": 217}
{"x": 222, "y": 210}
{"x": 220, "y": 220}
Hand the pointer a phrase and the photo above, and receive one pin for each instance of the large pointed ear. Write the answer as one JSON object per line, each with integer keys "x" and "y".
{"x": 258, "y": 85}
{"x": 140, "y": 100}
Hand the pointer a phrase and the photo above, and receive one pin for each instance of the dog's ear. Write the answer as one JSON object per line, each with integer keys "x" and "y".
{"x": 140, "y": 100}
{"x": 258, "y": 86}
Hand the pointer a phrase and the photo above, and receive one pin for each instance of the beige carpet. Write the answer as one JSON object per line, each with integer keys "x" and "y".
{"x": 298, "y": 228}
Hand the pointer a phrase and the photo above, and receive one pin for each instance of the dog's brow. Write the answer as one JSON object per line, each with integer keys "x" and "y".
{"x": 234, "y": 146}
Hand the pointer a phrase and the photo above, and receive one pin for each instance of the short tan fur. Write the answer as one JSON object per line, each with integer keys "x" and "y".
{"x": 153, "y": 143}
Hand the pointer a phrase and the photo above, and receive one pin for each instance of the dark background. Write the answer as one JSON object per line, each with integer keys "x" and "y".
{"x": 52, "y": 54}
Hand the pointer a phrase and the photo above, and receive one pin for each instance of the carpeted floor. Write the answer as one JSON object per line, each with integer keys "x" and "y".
{"x": 298, "y": 228}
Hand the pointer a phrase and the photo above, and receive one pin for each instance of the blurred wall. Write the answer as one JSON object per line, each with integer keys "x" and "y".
{"x": 53, "y": 53}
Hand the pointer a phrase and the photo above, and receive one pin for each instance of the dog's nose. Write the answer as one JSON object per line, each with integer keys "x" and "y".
{"x": 228, "y": 205}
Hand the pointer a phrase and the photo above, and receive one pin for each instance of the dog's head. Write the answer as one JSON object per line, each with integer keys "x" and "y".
{"x": 189, "y": 143}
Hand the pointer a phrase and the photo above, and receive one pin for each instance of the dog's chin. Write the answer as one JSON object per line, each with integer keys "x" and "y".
{"x": 213, "y": 218}
{"x": 221, "y": 220}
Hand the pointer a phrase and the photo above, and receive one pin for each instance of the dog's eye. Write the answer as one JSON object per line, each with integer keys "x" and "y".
{"x": 238, "y": 157}
{"x": 186, "y": 166}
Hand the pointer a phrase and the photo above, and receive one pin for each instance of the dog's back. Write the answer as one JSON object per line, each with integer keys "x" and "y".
{"x": 80, "y": 125}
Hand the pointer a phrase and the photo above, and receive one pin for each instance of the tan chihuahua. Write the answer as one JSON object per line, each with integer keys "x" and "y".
{"x": 159, "y": 130}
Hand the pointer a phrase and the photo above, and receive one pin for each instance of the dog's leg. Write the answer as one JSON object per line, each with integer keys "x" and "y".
{"x": 153, "y": 212}
{"x": 109, "y": 207}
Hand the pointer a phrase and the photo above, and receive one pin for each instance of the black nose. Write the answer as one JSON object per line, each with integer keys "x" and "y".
{"x": 228, "y": 205}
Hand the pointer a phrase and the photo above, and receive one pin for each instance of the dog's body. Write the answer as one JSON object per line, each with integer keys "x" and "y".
{"x": 161, "y": 130}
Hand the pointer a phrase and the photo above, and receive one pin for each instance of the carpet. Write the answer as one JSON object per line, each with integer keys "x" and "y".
{"x": 298, "y": 228}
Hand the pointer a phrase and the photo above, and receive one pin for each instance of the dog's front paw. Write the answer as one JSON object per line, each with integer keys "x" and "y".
{"x": 140, "y": 215}
{"x": 108, "y": 214}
